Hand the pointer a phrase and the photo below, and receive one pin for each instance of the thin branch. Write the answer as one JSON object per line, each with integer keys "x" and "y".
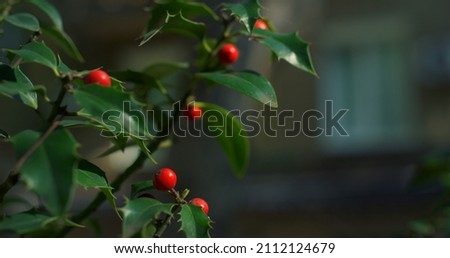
{"x": 13, "y": 177}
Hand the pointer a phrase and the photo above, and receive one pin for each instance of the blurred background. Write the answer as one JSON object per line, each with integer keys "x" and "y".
{"x": 387, "y": 62}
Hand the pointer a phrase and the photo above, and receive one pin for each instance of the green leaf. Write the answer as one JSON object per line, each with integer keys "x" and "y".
{"x": 10, "y": 89}
{"x": 158, "y": 12}
{"x": 51, "y": 11}
{"x": 194, "y": 223}
{"x": 89, "y": 175}
{"x": 139, "y": 213}
{"x": 114, "y": 109}
{"x": 64, "y": 41}
{"x": 23, "y": 223}
{"x": 229, "y": 133}
{"x": 24, "y": 21}
{"x": 289, "y": 47}
{"x": 247, "y": 13}
{"x": 29, "y": 98}
{"x": 37, "y": 52}
{"x": 137, "y": 188}
{"x": 250, "y": 84}
{"x": 177, "y": 23}
{"x": 78, "y": 123}
{"x": 50, "y": 169}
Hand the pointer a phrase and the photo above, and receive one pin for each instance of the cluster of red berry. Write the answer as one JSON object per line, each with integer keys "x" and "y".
{"x": 166, "y": 179}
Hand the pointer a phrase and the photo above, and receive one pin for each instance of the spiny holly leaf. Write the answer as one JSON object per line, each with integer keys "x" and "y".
{"x": 23, "y": 223}
{"x": 194, "y": 222}
{"x": 24, "y": 21}
{"x": 113, "y": 109}
{"x": 289, "y": 47}
{"x": 139, "y": 213}
{"x": 177, "y": 23}
{"x": 63, "y": 40}
{"x": 137, "y": 188}
{"x": 10, "y": 89}
{"x": 247, "y": 13}
{"x": 250, "y": 84}
{"x": 51, "y": 11}
{"x": 50, "y": 169}
{"x": 229, "y": 133}
{"x": 89, "y": 175}
{"x": 190, "y": 10}
{"x": 28, "y": 98}
{"x": 37, "y": 52}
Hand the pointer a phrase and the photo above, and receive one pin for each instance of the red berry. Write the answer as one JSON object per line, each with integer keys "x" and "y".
{"x": 200, "y": 203}
{"x": 228, "y": 54}
{"x": 261, "y": 24}
{"x": 165, "y": 179}
{"x": 99, "y": 77}
{"x": 194, "y": 113}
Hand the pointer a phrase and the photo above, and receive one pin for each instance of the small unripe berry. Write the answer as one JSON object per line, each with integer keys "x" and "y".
{"x": 99, "y": 77}
{"x": 165, "y": 179}
{"x": 194, "y": 113}
{"x": 228, "y": 54}
{"x": 200, "y": 203}
{"x": 261, "y": 24}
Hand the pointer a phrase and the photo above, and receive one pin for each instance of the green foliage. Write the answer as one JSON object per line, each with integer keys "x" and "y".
{"x": 229, "y": 133}
{"x": 47, "y": 160}
{"x": 23, "y": 223}
{"x": 289, "y": 47}
{"x": 24, "y": 21}
{"x": 194, "y": 223}
{"x": 247, "y": 13}
{"x": 138, "y": 214}
{"x": 50, "y": 169}
{"x": 37, "y": 52}
{"x": 250, "y": 84}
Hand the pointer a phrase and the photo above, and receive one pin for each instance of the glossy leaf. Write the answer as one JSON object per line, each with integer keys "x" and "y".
{"x": 23, "y": 223}
{"x": 11, "y": 89}
{"x": 194, "y": 223}
{"x": 90, "y": 176}
{"x": 29, "y": 98}
{"x": 190, "y": 10}
{"x": 37, "y": 52}
{"x": 51, "y": 11}
{"x": 24, "y": 21}
{"x": 247, "y": 13}
{"x": 139, "y": 213}
{"x": 289, "y": 47}
{"x": 50, "y": 169}
{"x": 250, "y": 84}
{"x": 64, "y": 41}
{"x": 177, "y": 23}
{"x": 229, "y": 133}
{"x": 114, "y": 109}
